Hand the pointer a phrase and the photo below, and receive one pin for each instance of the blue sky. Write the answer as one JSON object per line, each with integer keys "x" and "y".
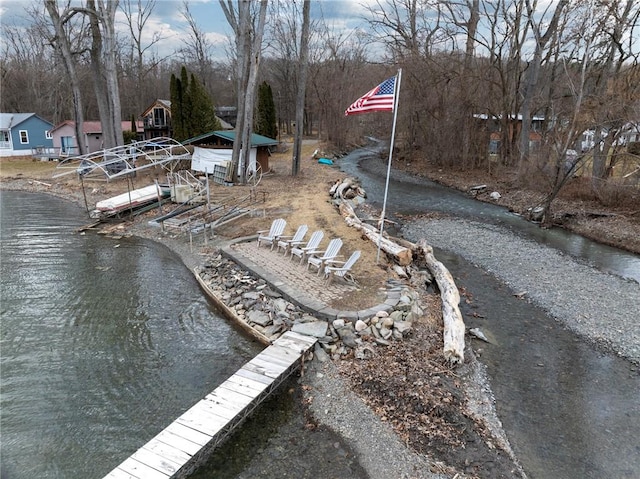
{"x": 167, "y": 19}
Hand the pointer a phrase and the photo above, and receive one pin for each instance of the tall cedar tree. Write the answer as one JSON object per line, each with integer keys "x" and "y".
{"x": 177, "y": 120}
{"x": 265, "y": 122}
{"x": 192, "y": 110}
{"x": 185, "y": 105}
{"x": 203, "y": 116}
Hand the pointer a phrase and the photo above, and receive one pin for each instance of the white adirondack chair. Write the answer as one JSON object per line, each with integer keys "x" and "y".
{"x": 273, "y": 234}
{"x": 286, "y": 242}
{"x": 334, "y": 269}
{"x": 311, "y": 245}
{"x": 319, "y": 258}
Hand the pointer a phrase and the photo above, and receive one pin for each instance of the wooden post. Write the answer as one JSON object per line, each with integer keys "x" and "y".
{"x": 84, "y": 194}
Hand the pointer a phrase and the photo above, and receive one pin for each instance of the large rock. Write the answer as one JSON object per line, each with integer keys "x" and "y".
{"x": 317, "y": 329}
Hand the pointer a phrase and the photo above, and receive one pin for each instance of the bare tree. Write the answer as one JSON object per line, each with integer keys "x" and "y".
{"x": 138, "y": 13}
{"x": 103, "y": 54}
{"x": 248, "y": 39}
{"x": 533, "y": 70}
{"x": 197, "y": 46}
{"x": 302, "y": 87}
{"x": 63, "y": 44}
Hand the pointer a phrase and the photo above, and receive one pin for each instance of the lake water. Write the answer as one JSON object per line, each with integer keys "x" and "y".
{"x": 104, "y": 342}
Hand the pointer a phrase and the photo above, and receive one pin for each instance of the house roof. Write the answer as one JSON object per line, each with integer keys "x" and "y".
{"x": 95, "y": 127}
{"x": 10, "y": 120}
{"x": 164, "y": 103}
{"x": 230, "y": 135}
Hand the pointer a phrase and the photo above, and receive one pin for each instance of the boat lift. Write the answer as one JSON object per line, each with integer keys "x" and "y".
{"x": 126, "y": 160}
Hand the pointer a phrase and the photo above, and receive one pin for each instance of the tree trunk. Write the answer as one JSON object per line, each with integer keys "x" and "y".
{"x": 302, "y": 88}
{"x": 248, "y": 61}
{"x": 401, "y": 255}
{"x": 454, "y": 327}
{"x": 61, "y": 41}
{"x": 99, "y": 83}
{"x": 107, "y": 13}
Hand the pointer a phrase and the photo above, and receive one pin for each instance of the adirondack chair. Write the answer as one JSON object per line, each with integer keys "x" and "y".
{"x": 312, "y": 245}
{"x": 334, "y": 269}
{"x": 286, "y": 242}
{"x": 319, "y": 258}
{"x": 273, "y": 234}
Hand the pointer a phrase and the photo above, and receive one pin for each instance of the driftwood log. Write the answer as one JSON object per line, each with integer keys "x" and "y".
{"x": 346, "y": 189}
{"x": 403, "y": 256}
{"x": 405, "y": 253}
{"x": 454, "y": 328}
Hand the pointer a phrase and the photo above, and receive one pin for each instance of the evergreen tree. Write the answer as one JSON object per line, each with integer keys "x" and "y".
{"x": 203, "y": 116}
{"x": 265, "y": 117}
{"x": 186, "y": 104}
{"x": 192, "y": 110}
{"x": 177, "y": 118}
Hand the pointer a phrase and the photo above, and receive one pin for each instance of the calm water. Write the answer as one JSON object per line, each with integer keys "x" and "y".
{"x": 103, "y": 342}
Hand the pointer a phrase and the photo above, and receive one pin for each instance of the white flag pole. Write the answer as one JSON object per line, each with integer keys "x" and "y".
{"x": 396, "y": 96}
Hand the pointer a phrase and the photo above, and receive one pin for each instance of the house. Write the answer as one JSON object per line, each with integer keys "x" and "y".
{"x": 156, "y": 120}
{"x": 493, "y": 124}
{"x": 23, "y": 134}
{"x": 228, "y": 116}
{"x": 216, "y": 147}
{"x": 65, "y": 141}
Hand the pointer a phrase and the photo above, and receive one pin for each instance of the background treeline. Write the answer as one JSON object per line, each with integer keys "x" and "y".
{"x": 572, "y": 63}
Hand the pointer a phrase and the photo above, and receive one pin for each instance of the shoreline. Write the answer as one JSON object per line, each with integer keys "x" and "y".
{"x": 324, "y": 390}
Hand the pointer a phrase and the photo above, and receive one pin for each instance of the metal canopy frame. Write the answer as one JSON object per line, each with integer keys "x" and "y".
{"x": 126, "y": 160}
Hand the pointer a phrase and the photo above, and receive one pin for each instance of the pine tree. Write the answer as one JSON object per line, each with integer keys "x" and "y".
{"x": 265, "y": 117}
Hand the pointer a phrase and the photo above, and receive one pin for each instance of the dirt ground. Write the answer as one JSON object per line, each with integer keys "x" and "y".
{"x": 421, "y": 396}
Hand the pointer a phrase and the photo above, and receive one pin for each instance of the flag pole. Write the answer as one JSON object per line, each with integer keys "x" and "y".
{"x": 396, "y": 96}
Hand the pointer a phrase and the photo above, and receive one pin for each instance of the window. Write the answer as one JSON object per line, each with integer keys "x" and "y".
{"x": 158, "y": 117}
{"x": 4, "y": 139}
{"x": 24, "y": 137}
{"x": 48, "y": 135}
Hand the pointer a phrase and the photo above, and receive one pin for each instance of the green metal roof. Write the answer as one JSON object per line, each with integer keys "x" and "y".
{"x": 230, "y": 135}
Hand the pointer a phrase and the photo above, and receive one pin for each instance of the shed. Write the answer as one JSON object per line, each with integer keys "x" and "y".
{"x": 223, "y": 140}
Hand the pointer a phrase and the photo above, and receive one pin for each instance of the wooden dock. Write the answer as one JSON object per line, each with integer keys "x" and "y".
{"x": 186, "y": 443}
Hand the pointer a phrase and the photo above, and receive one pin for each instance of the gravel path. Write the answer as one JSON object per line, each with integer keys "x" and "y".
{"x": 600, "y": 307}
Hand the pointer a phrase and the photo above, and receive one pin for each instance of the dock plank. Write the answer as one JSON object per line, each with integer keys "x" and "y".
{"x": 155, "y": 461}
{"x": 178, "y": 442}
{"x": 284, "y": 355}
{"x": 138, "y": 469}
{"x": 225, "y": 403}
{"x": 269, "y": 365}
{"x": 172, "y": 453}
{"x": 119, "y": 474}
{"x": 188, "y": 433}
{"x": 246, "y": 373}
{"x": 244, "y": 386}
{"x": 204, "y": 422}
{"x": 225, "y": 410}
{"x": 266, "y": 369}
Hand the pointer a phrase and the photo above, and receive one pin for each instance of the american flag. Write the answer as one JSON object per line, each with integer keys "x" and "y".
{"x": 381, "y": 98}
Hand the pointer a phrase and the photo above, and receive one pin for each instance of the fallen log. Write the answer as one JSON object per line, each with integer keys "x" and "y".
{"x": 454, "y": 328}
{"x": 347, "y": 183}
{"x": 403, "y": 256}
